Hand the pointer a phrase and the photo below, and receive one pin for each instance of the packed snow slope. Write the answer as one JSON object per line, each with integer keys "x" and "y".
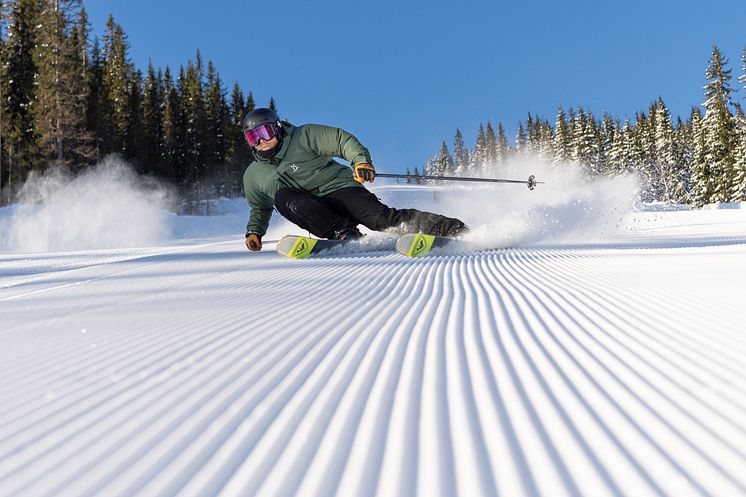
{"x": 597, "y": 351}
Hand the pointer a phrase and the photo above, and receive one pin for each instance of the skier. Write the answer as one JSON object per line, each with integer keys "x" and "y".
{"x": 295, "y": 172}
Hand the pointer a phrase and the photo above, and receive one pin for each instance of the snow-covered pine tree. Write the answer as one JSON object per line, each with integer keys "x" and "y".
{"x": 490, "y": 143}
{"x": 562, "y": 143}
{"x": 584, "y": 140}
{"x": 615, "y": 151}
{"x": 684, "y": 153}
{"x": 503, "y": 145}
{"x": 605, "y": 132}
{"x": 521, "y": 140}
{"x": 480, "y": 151}
{"x": 739, "y": 184}
{"x": 459, "y": 153}
{"x": 702, "y": 187}
{"x": 668, "y": 170}
{"x": 738, "y": 189}
{"x": 647, "y": 165}
{"x": 545, "y": 138}
{"x": 720, "y": 132}
{"x": 446, "y": 160}
{"x": 532, "y": 135}
{"x": 632, "y": 148}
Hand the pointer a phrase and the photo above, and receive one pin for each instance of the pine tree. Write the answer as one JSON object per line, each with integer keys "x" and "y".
{"x": 720, "y": 133}
{"x": 272, "y": 105}
{"x": 446, "y": 160}
{"x": 134, "y": 135}
{"x": 250, "y": 104}
{"x": 738, "y": 190}
{"x": 480, "y": 151}
{"x": 459, "y": 153}
{"x": 702, "y": 187}
{"x": 118, "y": 73}
{"x": 545, "y": 143}
{"x": 669, "y": 174}
{"x": 521, "y": 140}
{"x": 191, "y": 93}
{"x": 172, "y": 130}
{"x": 503, "y": 145}
{"x": 584, "y": 140}
{"x": 19, "y": 153}
{"x": 561, "y": 145}
{"x": 615, "y": 158}
{"x": 59, "y": 106}
{"x": 632, "y": 148}
{"x": 607, "y": 134}
{"x": 490, "y": 143}
{"x": 152, "y": 120}
{"x": 218, "y": 120}
{"x": 98, "y": 109}
{"x": 239, "y": 155}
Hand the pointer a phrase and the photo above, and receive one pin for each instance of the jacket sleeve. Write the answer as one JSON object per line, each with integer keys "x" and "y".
{"x": 260, "y": 207}
{"x": 334, "y": 142}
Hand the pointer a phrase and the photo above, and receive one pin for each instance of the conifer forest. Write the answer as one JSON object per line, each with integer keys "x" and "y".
{"x": 70, "y": 99}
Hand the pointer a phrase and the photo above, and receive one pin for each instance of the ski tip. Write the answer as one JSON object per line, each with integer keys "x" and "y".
{"x": 295, "y": 247}
{"x": 415, "y": 244}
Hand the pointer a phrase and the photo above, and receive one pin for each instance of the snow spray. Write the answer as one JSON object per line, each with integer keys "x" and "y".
{"x": 107, "y": 206}
{"x": 570, "y": 207}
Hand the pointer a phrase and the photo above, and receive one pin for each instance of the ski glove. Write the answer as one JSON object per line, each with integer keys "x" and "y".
{"x": 364, "y": 172}
{"x": 254, "y": 242}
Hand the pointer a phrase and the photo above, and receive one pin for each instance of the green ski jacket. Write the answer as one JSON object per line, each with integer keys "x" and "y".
{"x": 305, "y": 161}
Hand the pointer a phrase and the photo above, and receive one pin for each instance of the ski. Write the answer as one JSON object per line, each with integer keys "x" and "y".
{"x": 419, "y": 244}
{"x": 300, "y": 247}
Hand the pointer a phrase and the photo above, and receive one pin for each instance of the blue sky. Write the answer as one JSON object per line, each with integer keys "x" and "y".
{"x": 403, "y": 75}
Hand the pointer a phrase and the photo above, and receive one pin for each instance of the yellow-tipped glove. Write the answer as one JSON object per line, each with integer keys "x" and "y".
{"x": 254, "y": 242}
{"x": 364, "y": 172}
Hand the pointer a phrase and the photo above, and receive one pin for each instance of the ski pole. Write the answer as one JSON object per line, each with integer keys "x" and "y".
{"x": 530, "y": 182}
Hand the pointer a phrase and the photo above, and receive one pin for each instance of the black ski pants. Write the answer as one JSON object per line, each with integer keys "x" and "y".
{"x": 347, "y": 207}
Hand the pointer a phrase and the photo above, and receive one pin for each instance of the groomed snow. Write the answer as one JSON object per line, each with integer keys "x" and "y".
{"x": 599, "y": 352}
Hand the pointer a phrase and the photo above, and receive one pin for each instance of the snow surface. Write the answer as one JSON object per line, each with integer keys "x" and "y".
{"x": 598, "y": 352}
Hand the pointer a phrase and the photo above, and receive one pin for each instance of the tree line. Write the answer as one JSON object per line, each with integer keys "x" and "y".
{"x": 69, "y": 99}
{"x": 696, "y": 161}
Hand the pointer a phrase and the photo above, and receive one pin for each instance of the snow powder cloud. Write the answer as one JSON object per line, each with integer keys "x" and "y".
{"x": 569, "y": 208}
{"x": 108, "y": 206}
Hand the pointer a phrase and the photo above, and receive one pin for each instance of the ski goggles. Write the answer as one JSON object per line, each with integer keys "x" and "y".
{"x": 263, "y": 132}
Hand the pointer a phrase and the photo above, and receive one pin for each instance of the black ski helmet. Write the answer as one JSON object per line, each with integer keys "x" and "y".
{"x": 260, "y": 116}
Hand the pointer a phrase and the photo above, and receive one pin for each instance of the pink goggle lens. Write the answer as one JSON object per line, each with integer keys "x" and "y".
{"x": 263, "y": 132}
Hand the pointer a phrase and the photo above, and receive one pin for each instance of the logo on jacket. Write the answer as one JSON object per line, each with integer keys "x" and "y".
{"x": 294, "y": 168}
